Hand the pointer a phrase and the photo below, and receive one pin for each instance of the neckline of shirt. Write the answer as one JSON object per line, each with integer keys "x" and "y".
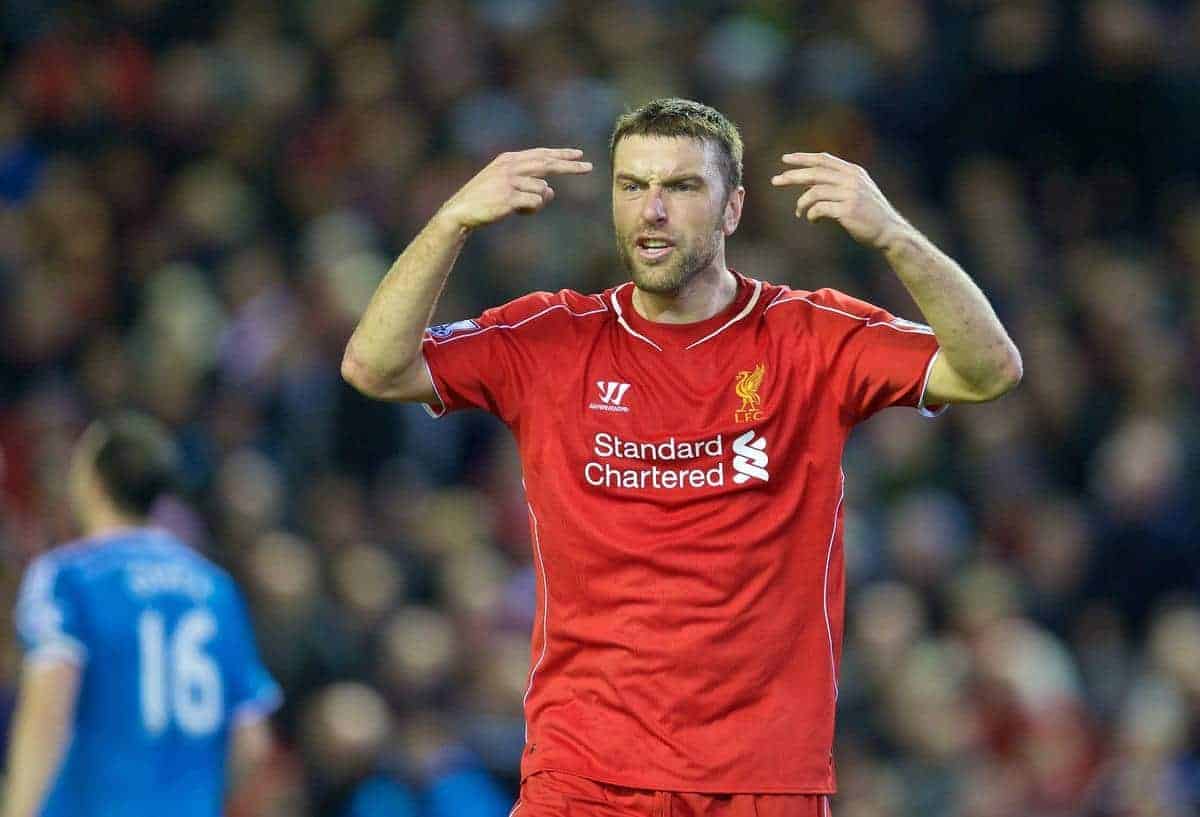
{"x": 684, "y": 335}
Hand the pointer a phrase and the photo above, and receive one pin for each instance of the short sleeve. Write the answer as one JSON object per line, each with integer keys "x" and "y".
{"x": 875, "y": 359}
{"x": 490, "y": 362}
{"x": 48, "y": 614}
{"x": 253, "y": 693}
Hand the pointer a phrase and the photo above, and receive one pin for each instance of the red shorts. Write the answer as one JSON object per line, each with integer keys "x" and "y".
{"x": 558, "y": 794}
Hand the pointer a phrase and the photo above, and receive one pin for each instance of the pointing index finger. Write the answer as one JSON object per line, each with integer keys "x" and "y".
{"x": 818, "y": 174}
{"x": 557, "y": 153}
{"x": 813, "y": 160}
{"x": 550, "y": 164}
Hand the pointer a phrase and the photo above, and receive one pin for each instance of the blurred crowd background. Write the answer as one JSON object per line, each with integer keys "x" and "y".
{"x": 197, "y": 198}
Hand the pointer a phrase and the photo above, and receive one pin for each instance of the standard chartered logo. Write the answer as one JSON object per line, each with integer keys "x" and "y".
{"x": 750, "y": 458}
{"x": 670, "y": 463}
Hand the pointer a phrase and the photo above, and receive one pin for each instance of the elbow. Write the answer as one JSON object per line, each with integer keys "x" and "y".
{"x": 1008, "y": 375}
{"x": 354, "y": 372}
{"x": 364, "y": 378}
{"x": 1014, "y": 368}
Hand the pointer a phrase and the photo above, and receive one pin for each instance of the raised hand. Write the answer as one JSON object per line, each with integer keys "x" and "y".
{"x": 512, "y": 182}
{"x": 843, "y": 192}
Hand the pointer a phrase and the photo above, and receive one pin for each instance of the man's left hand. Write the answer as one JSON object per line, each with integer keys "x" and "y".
{"x": 844, "y": 192}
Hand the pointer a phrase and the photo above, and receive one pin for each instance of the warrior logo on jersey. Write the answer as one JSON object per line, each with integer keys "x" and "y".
{"x": 445, "y": 330}
{"x": 746, "y": 386}
{"x": 611, "y": 395}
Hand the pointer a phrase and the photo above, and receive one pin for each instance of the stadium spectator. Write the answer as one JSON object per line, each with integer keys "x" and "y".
{"x": 179, "y": 180}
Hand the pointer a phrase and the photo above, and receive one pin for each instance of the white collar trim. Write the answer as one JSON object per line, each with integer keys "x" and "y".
{"x": 616, "y": 304}
{"x": 746, "y": 310}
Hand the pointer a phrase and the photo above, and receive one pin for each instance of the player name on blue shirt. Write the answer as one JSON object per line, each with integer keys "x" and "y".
{"x": 168, "y": 667}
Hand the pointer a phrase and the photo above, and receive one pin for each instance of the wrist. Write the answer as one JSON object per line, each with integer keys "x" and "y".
{"x": 447, "y": 224}
{"x": 897, "y": 240}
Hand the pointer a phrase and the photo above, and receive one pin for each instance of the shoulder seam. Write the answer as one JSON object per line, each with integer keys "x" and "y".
{"x": 915, "y": 329}
{"x": 518, "y": 324}
{"x": 778, "y": 295}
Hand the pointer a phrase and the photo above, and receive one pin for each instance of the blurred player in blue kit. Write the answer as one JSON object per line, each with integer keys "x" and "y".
{"x": 141, "y": 688}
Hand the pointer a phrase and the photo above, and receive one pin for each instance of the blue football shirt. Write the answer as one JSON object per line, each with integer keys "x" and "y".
{"x": 168, "y": 667}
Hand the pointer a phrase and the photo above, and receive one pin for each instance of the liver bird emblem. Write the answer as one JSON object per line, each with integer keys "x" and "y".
{"x": 747, "y": 386}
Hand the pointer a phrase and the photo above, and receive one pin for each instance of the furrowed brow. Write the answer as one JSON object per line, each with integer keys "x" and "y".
{"x": 683, "y": 177}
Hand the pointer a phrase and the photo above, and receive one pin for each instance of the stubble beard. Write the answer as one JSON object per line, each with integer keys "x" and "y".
{"x": 670, "y": 278}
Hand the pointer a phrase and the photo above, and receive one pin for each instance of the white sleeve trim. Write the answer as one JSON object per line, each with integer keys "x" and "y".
{"x": 925, "y": 386}
{"x": 257, "y": 709}
{"x": 440, "y": 410}
{"x": 62, "y": 649}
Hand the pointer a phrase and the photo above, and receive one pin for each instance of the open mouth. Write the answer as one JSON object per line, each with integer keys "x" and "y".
{"x": 652, "y": 249}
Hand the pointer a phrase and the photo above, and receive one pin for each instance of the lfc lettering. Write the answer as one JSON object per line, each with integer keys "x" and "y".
{"x": 746, "y": 386}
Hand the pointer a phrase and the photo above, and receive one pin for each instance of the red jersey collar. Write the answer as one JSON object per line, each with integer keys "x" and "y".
{"x": 684, "y": 335}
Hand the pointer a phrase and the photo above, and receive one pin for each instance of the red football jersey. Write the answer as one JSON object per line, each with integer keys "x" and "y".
{"x": 685, "y": 503}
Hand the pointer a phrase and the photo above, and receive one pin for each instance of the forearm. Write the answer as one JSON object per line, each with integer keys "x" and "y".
{"x": 31, "y": 766}
{"x": 251, "y": 746}
{"x": 973, "y": 341}
{"x": 387, "y": 340}
{"x": 41, "y": 730}
{"x": 979, "y": 360}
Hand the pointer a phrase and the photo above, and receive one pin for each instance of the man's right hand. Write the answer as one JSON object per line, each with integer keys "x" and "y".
{"x": 512, "y": 182}
{"x": 383, "y": 358}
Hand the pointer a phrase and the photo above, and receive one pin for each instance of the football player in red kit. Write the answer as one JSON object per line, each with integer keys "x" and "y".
{"x": 681, "y": 439}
